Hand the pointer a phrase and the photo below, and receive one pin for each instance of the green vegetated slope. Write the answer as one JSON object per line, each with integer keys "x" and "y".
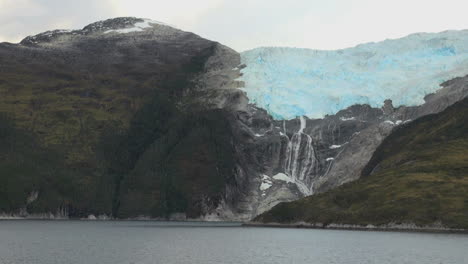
{"x": 183, "y": 170}
{"x": 62, "y": 112}
{"x": 419, "y": 174}
{"x": 26, "y": 167}
{"x": 85, "y": 131}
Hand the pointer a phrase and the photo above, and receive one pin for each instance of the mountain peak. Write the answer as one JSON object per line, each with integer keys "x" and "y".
{"x": 113, "y": 25}
{"x": 122, "y": 25}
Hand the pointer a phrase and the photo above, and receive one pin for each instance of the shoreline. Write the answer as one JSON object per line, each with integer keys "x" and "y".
{"x": 408, "y": 228}
{"x": 396, "y": 228}
{"x": 110, "y": 219}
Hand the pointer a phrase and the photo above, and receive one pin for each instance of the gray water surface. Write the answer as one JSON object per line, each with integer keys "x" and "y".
{"x": 49, "y": 242}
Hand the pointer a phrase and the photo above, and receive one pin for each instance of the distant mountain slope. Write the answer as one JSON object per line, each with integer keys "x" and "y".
{"x": 290, "y": 82}
{"x": 419, "y": 174}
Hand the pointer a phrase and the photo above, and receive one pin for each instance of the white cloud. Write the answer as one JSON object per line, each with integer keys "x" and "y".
{"x": 245, "y": 24}
{"x": 366, "y": 21}
{"x": 180, "y": 12}
{"x": 20, "y": 8}
{"x": 20, "y": 18}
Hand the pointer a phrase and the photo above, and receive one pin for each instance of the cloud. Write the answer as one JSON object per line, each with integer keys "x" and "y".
{"x": 179, "y": 12}
{"x": 246, "y": 24}
{"x": 331, "y": 24}
{"x": 20, "y": 18}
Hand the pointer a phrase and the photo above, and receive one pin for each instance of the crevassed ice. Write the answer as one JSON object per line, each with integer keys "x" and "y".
{"x": 290, "y": 82}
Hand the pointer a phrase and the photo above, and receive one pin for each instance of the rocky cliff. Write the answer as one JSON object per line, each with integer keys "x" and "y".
{"x": 418, "y": 175}
{"x": 301, "y": 157}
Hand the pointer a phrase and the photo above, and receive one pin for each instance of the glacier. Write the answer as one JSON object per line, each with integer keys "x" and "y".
{"x": 292, "y": 82}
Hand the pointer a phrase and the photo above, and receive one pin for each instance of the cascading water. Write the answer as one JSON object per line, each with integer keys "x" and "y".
{"x": 300, "y": 159}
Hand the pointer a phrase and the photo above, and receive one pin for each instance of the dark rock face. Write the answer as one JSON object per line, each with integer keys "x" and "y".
{"x": 388, "y": 109}
{"x": 416, "y": 176}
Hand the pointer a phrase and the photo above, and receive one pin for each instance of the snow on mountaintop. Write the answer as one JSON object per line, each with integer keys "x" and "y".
{"x": 139, "y": 26}
{"x": 122, "y": 25}
{"x": 113, "y": 25}
{"x": 291, "y": 82}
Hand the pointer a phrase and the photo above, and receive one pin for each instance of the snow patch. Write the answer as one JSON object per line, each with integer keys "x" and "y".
{"x": 300, "y": 185}
{"x": 266, "y": 183}
{"x": 283, "y": 177}
{"x": 92, "y": 217}
{"x": 140, "y": 26}
{"x": 330, "y": 159}
{"x": 124, "y": 30}
{"x": 335, "y": 146}
{"x": 347, "y": 118}
{"x": 265, "y": 186}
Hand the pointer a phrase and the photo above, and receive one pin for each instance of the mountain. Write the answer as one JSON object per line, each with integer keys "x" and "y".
{"x": 133, "y": 118}
{"x": 418, "y": 175}
{"x": 97, "y": 100}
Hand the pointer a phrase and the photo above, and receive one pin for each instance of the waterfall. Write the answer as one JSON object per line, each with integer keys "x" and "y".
{"x": 300, "y": 158}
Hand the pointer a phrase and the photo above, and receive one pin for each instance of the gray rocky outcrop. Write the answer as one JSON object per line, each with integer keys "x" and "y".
{"x": 342, "y": 144}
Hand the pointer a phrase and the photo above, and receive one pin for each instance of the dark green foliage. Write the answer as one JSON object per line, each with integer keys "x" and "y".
{"x": 182, "y": 171}
{"x": 17, "y": 173}
{"x": 155, "y": 160}
{"x": 83, "y": 128}
{"x": 27, "y": 167}
{"x": 419, "y": 174}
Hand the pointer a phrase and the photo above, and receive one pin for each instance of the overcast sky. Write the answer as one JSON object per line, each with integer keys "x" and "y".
{"x": 244, "y": 24}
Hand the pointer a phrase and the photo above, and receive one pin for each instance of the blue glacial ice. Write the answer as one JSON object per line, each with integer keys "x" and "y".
{"x": 290, "y": 82}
